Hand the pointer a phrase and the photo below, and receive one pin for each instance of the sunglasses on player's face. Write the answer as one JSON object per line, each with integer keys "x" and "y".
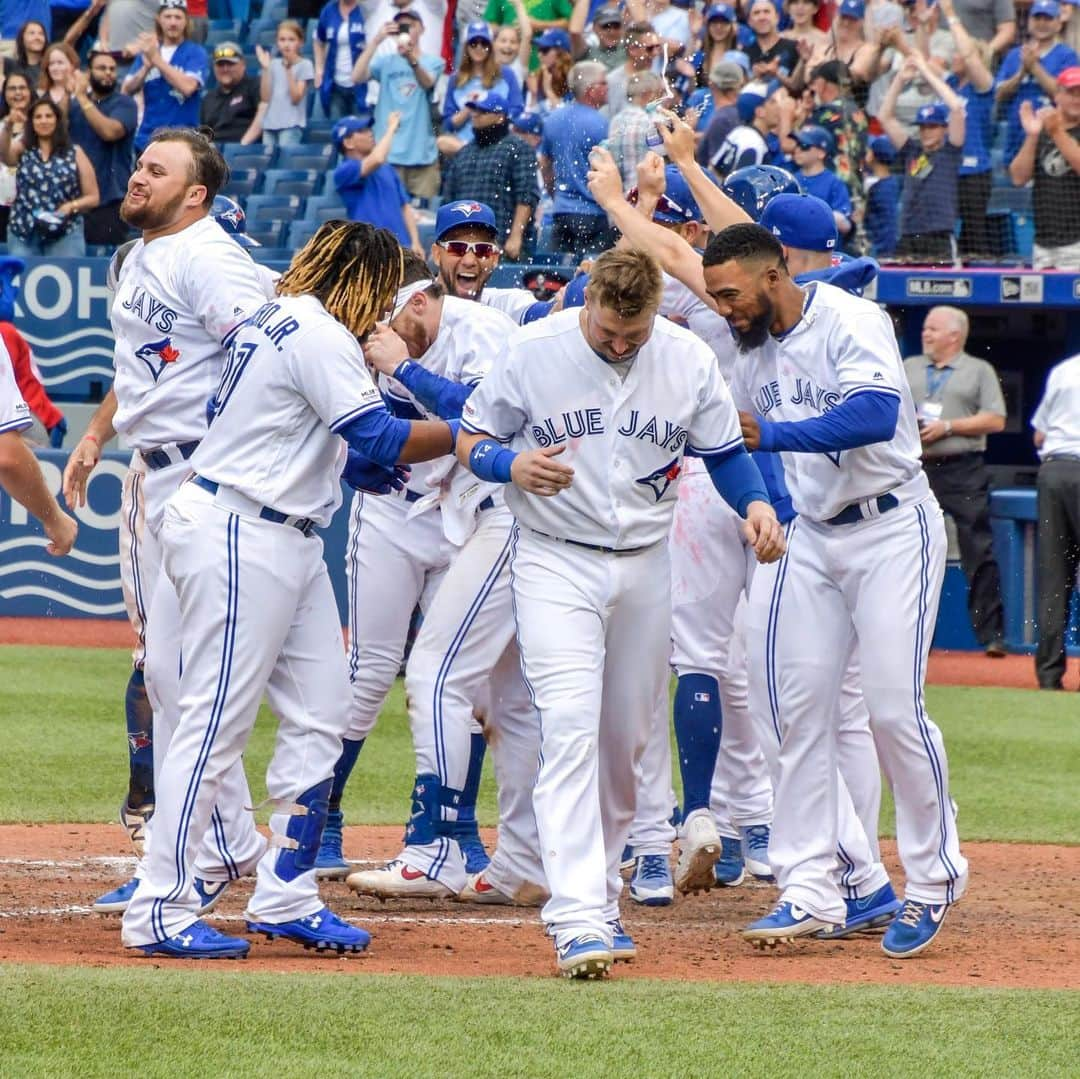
{"x": 460, "y": 248}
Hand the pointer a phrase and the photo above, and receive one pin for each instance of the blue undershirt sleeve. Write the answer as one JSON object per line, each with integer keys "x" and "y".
{"x": 378, "y": 435}
{"x": 861, "y": 420}
{"x": 442, "y": 396}
{"x": 737, "y": 478}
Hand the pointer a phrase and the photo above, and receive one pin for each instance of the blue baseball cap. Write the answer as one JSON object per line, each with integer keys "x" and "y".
{"x": 453, "y": 215}
{"x": 853, "y": 9}
{"x": 489, "y": 102}
{"x": 677, "y": 204}
{"x": 936, "y": 114}
{"x": 882, "y": 148}
{"x": 753, "y": 96}
{"x": 802, "y": 221}
{"x": 720, "y": 11}
{"x": 1049, "y": 8}
{"x": 229, "y": 214}
{"x": 812, "y": 135}
{"x": 529, "y": 122}
{"x": 478, "y": 31}
{"x": 553, "y": 39}
{"x": 349, "y": 125}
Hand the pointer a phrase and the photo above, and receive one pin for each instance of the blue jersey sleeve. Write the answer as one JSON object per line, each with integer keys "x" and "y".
{"x": 737, "y": 478}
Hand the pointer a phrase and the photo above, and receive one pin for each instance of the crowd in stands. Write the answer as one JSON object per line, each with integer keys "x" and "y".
{"x": 938, "y": 131}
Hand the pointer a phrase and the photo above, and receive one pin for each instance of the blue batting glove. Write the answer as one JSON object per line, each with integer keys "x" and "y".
{"x": 363, "y": 474}
{"x": 211, "y": 409}
{"x": 56, "y": 434}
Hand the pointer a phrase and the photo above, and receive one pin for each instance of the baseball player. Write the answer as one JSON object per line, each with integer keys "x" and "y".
{"x": 868, "y": 894}
{"x": 180, "y": 288}
{"x": 823, "y": 372}
{"x": 619, "y": 394}
{"x": 464, "y": 661}
{"x": 398, "y": 550}
{"x": 257, "y": 608}
{"x": 20, "y": 474}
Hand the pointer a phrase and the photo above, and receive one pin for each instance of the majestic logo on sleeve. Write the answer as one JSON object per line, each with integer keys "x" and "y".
{"x": 660, "y": 480}
{"x": 158, "y": 355}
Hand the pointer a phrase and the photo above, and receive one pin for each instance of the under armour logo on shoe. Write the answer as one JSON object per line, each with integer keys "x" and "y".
{"x": 186, "y": 940}
{"x": 315, "y": 921}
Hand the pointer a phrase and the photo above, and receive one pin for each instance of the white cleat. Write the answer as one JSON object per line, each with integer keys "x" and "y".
{"x": 396, "y": 880}
{"x": 699, "y": 851}
{"x": 478, "y": 890}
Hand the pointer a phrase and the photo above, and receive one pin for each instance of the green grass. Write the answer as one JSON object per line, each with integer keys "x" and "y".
{"x": 229, "y": 1022}
{"x": 65, "y": 752}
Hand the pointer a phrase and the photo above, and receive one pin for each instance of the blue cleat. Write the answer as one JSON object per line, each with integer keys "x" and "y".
{"x": 330, "y": 863}
{"x": 623, "y": 948}
{"x": 651, "y": 884}
{"x": 626, "y": 861}
{"x": 475, "y": 854}
{"x": 755, "y": 849}
{"x": 116, "y": 901}
{"x": 785, "y": 923}
{"x": 913, "y": 928}
{"x": 199, "y": 941}
{"x": 210, "y": 893}
{"x": 324, "y": 931}
{"x": 869, "y": 912}
{"x": 585, "y": 957}
{"x": 730, "y": 870}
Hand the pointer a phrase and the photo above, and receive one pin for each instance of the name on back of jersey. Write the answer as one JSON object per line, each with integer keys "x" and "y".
{"x": 265, "y": 319}
{"x": 581, "y": 422}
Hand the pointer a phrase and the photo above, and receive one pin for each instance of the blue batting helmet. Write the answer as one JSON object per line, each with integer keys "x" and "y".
{"x": 229, "y": 214}
{"x": 755, "y": 186}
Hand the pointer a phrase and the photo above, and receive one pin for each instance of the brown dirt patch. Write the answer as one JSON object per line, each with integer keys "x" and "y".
{"x": 1017, "y": 927}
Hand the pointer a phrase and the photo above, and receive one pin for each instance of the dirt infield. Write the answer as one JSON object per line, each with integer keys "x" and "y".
{"x": 1016, "y": 927}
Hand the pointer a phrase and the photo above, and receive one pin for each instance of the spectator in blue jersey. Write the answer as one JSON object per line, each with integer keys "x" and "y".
{"x": 972, "y": 81}
{"x": 570, "y": 133}
{"x": 753, "y": 141}
{"x": 406, "y": 79}
{"x": 479, "y": 73}
{"x": 726, "y": 80}
{"x": 882, "y": 215}
{"x": 931, "y": 166}
{"x": 14, "y": 14}
{"x": 370, "y": 188}
{"x": 814, "y": 148}
{"x": 1029, "y": 71}
{"x": 171, "y": 72}
{"x": 339, "y": 41}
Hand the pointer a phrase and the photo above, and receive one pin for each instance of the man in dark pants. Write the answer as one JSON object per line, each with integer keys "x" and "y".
{"x": 959, "y": 403}
{"x": 1057, "y": 438}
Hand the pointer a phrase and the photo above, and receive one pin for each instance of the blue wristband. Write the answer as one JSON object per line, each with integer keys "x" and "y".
{"x": 490, "y": 461}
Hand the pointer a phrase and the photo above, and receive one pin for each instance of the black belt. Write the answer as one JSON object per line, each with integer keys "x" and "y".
{"x": 415, "y": 496}
{"x": 302, "y": 524}
{"x": 850, "y": 514}
{"x": 156, "y": 459}
{"x": 594, "y": 546}
{"x": 946, "y": 458}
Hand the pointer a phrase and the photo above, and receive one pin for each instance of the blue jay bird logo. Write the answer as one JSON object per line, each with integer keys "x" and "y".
{"x": 157, "y": 354}
{"x": 660, "y": 480}
{"x": 469, "y": 208}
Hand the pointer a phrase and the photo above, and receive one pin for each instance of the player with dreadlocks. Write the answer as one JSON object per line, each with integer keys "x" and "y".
{"x": 257, "y": 609}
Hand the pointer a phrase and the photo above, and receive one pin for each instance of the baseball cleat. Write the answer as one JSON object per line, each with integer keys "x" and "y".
{"x": 475, "y": 854}
{"x": 116, "y": 901}
{"x": 330, "y": 863}
{"x": 396, "y": 880}
{"x": 786, "y": 922}
{"x": 699, "y": 851}
{"x": 627, "y": 859}
{"x": 133, "y": 821}
{"x": 870, "y": 912}
{"x": 586, "y": 957}
{"x": 199, "y": 941}
{"x": 478, "y": 890}
{"x": 623, "y": 948}
{"x": 755, "y": 849}
{"x": 913, "y": 928}
{"x": 651, "y": 884}
{"x": 730, "y": 870}
{"x": 324, "y": 931}
{"x": 210, "y": 893}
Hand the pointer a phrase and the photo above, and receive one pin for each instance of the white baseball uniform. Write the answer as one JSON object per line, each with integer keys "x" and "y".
{"x": 869, "y": 581}
{"x": 15, "y": 413}
{"x": 257, "y": 608}
{"x": 591, "y": 576}
{"x": 175, "y": 299}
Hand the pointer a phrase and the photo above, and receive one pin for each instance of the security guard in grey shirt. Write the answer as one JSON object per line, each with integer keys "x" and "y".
{"x": 959, "y": 403}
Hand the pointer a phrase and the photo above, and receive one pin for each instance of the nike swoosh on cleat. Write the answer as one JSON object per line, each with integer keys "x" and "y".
{"x": 798, "y": 913}
{"x": 411, "y": 874}
{"x": 937, "y": 913}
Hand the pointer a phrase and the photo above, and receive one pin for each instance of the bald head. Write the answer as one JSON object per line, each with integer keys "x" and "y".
{"x": 944, "y": 333}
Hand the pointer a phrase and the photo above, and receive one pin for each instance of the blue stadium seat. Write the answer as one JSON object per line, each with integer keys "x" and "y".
{"x": 318, "y": 131}
{"x": 273, "y": 208}
{"x": 243, "y": 182}
{"x": 427, "y": 236}
{"x": 1023, "y": 234}
{"x": 275, "y": 10}
{"x": 325, "y": 207}
{"x": 270, "y": 233}
{"x": 271, "y": 254}
{"x": 266, "y": 37}
{"x": 1016, "y": 199}
{"x": 290, "y": 157}
{"x": 300, "y": 232}
{"x": 303, "y": 182}
{"x": 215, "y": 37}
{"x": 255, "y": 156}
